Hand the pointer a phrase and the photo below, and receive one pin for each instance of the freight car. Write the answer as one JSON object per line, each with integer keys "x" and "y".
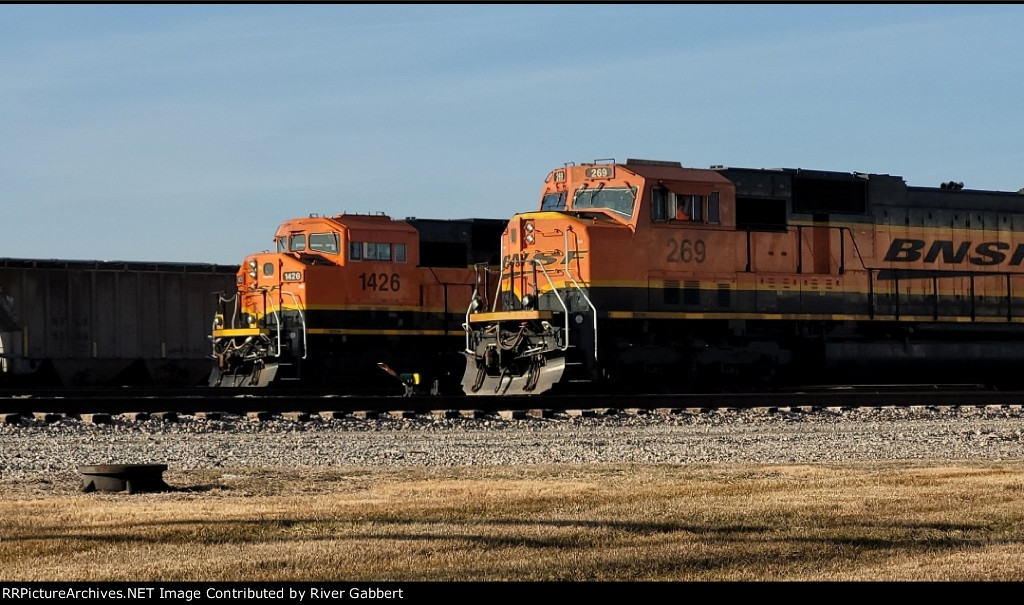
{"x": 358, "y": 303}
{"x": 650, "y": 276}
{"x": 69, "y": 323}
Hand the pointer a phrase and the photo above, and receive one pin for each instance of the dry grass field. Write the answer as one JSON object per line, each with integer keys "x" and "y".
{"x": 878, "y": 522}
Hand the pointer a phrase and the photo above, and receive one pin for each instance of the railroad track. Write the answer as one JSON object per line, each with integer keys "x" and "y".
{"x": 201, "y": 400}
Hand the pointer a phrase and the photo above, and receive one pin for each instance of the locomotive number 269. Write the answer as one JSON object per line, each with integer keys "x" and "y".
{"x": 380, "y": 282}
{"x": 686, "y": 251}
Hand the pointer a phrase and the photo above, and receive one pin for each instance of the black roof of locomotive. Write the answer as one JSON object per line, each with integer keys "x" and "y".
{"x": 880, "y": 189}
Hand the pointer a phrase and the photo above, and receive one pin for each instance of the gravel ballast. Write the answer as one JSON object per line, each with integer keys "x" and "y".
{"x": 46, "y": 455}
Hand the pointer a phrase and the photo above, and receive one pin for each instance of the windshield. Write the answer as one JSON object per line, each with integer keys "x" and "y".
{"x": 617, "y": 199}
{"x": 324, "y": 242}
{"x": 553, "y": 201}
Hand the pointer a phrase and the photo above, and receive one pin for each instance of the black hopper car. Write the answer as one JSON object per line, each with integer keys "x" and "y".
{"x": 70, "y": 323}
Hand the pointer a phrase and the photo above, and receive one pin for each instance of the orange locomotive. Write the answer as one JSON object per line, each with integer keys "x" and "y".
{"x": 652, "y": 276}
{"x": 344, "y": 297}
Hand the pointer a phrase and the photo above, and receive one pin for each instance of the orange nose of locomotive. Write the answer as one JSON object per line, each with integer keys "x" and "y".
{"x": 543, "y": 253}
{"x": 271, "y": 284}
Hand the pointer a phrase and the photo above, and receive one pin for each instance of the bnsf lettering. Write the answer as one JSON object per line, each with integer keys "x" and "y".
{"x": 545, "y": 258}
{"x": 948, "y": 255}
{"x": 985, "y": 254}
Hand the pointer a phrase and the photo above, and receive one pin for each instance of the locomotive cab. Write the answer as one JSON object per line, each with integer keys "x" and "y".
{"x": 602, "y": 235}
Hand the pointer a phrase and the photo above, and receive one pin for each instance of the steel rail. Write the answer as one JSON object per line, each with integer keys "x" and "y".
{"x": 231, "y": 401}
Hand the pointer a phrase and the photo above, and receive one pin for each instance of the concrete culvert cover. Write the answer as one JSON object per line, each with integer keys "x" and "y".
{"x": 131, "y": 478}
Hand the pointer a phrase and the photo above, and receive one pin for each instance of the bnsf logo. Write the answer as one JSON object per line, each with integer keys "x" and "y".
{"x": 545, "y": 258}
{"x": 985, "y": 253}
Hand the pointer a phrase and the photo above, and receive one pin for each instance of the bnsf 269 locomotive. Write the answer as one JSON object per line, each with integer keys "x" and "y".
{"x": 653, "y": 276}
{"x": 342, "y": 298}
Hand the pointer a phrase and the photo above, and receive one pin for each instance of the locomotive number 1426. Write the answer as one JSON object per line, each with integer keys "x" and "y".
{"x": 380, "y": 282}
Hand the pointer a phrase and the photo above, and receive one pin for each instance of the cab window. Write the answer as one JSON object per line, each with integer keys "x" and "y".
{"x": 714, "y": 214}
{"x": 688, "y": 207}
{"x": 616, "y": 199}
{"x": 297, "y": 243}
{"x": 659, "y": 204}
{"x": 324, "y": 242}
{"x": 282, "y": 244}
{"x": 667, "y": 205}
{"x": 377, "y": 251}
{"x": 553, "y": 201}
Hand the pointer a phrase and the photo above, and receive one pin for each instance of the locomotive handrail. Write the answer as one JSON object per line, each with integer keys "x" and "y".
{"x": 497, "y": 289}
{"x": 554, "y": 290}
{"x": 277, "y": 322}
{"x": 465, "y": 326}
{"x": 234, "y": 306}
{"x": 235, "y": 303}
{"x": 584, "y": 294}
{"x": 856, "y": 248}
{"x": 476, "y": 298}
{"x": 302, "y": 320}
{"x": 469, "y": 308}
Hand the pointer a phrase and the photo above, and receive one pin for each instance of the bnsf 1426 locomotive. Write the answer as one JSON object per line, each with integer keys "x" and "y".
{"x": 653, "y": 276}
{"x": 342, "y": 298}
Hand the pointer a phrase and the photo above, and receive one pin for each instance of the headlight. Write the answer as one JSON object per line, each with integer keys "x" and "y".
{"x": 252, "y": 264}
{"x": 251, "y": 320}
{"x": 529, "y": 227}
{"x": 529, "y": 238}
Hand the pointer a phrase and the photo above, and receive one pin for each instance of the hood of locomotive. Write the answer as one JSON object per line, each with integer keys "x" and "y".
{"x": 576, "y": 241}
{"x": 547, "y": 251}
{"x": 269, "y": 283}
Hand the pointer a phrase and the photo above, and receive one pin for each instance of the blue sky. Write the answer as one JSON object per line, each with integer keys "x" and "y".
{"x": 187, "y": 133}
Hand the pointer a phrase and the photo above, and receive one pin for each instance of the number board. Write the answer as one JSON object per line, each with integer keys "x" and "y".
{"x": 686, "y": 251}
{"x": 292, "y": 276}
{"x": 380, "y": 282}
{"x": 600, "y": 172}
